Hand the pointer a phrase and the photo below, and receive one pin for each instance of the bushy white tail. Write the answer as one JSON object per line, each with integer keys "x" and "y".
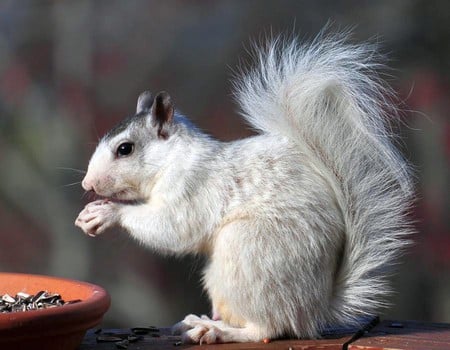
{"x": 327, "y": 97}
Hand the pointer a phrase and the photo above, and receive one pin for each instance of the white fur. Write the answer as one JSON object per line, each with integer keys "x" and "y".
{"x": 299, "y": 223}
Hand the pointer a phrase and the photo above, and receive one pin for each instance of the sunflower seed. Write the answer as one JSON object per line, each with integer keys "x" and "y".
{"x": 143, "y": 330}
{"x": 133, "y": 338}
{"x": 108, "y": 339}
{"x": 8, "y": 299}
{"x": 123, "y": 344}
{"x": 26, "y": 302}
{"x": 22, "y": 295}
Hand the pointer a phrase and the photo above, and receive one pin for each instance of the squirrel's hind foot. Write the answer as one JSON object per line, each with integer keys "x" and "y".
{"x": 203, "y": 330}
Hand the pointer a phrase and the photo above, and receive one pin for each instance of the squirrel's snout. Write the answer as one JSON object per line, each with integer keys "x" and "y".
{"x": 87, "y": 184}
{"x": 97, "y": 184}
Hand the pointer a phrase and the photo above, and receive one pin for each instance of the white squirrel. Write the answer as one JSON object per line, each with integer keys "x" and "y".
{"x": 299, "y": 223}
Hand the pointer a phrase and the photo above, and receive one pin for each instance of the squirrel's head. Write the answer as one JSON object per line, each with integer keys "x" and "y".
{"x": 131, "y": 154}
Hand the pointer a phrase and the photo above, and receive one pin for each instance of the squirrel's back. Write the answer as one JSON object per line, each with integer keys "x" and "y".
{"x": 328, "y": 98}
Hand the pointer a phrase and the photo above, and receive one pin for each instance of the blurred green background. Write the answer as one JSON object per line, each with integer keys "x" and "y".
{"x": 70, "y": 70}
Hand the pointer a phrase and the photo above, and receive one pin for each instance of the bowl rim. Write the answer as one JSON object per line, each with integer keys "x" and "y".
{"x": 78, "y": 316}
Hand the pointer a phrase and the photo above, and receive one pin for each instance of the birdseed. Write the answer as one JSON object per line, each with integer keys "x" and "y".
{"x": 27, "y": 302}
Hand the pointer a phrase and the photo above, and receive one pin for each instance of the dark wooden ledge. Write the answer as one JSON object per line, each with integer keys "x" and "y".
{"x": 392, "y": 335}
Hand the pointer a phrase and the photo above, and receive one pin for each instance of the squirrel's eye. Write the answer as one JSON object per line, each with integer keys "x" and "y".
{"x": 125, "y": 149}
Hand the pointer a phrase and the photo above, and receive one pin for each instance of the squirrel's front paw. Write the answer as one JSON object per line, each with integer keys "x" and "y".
{"x": 97, "y": 216}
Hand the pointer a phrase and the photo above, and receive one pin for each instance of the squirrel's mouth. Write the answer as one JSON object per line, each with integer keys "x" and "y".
{"x": 122, "y": 201}
{"x": 122, "y": 197}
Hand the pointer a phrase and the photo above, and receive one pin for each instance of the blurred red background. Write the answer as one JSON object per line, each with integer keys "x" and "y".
{"x": 70, "y": 70}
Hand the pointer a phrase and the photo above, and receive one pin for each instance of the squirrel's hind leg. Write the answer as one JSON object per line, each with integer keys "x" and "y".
{"x": 203, "y": 330}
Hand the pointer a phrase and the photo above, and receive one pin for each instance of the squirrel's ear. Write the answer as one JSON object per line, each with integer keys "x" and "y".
{"x": 144, "y": 102}
{"x": 162, "y": 112}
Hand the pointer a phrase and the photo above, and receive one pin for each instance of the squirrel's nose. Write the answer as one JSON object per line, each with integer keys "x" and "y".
{"x": 87, "y": 184}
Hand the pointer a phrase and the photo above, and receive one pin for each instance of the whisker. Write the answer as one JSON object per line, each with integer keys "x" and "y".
{"x": 72, "y": 169}
{"x": 72, "y": 184}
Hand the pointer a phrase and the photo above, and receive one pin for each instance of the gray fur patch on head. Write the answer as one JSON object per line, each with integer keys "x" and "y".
{"x": 137, "y": 120}
{"x": 160, "y": 109}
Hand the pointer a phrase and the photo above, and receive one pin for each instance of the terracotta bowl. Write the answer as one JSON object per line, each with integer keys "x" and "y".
{"x": 56, "y": 328}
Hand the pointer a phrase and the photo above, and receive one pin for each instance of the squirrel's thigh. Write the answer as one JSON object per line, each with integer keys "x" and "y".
{"x": 222, "y": 277}
{"x": 240, "y": 278}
